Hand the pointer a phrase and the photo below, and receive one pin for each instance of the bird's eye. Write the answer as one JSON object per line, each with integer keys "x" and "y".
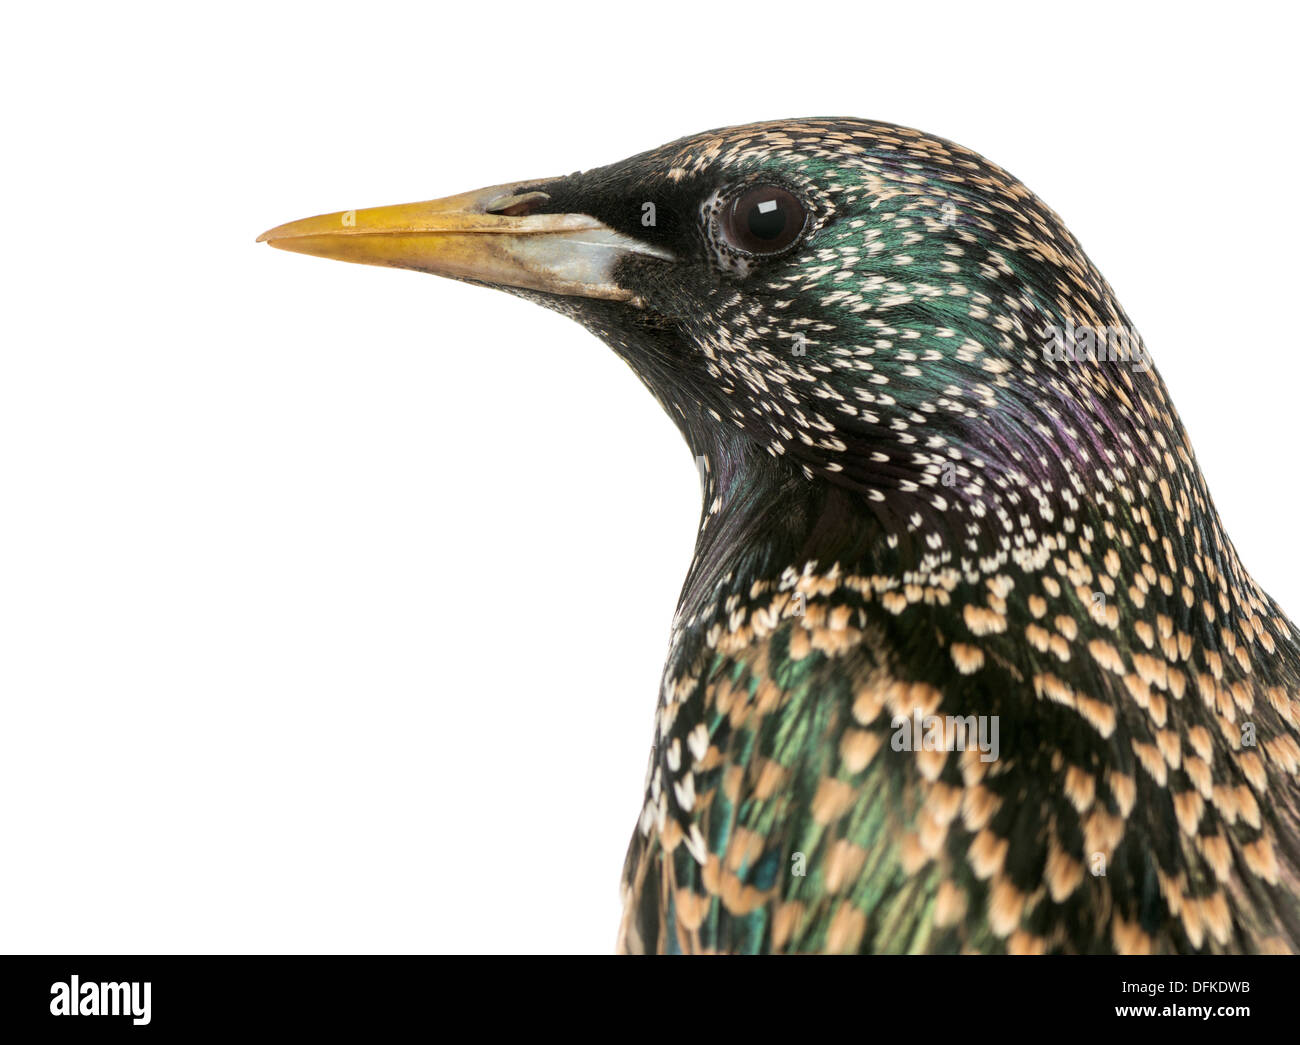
{"x": 763, "y": 220}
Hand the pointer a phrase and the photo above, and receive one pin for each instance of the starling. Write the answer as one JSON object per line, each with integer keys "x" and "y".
{"x": 964, "y": 660}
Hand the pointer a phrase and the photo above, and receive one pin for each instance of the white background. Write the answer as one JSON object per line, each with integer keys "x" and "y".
{"x": 333, "y": 600}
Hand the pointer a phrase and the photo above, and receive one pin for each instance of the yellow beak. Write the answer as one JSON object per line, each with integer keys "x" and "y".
{"x": 488, "y": 236}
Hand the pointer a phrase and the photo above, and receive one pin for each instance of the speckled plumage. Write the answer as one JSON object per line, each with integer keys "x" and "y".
{"x": 974, "y": 530}
{"x": 910, "y": 506}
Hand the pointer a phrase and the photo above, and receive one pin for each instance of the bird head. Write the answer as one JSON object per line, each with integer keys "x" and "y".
{"x": 839, "y": 303}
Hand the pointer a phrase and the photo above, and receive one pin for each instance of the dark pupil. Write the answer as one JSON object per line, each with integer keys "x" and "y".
{"x": 767, "y": 219}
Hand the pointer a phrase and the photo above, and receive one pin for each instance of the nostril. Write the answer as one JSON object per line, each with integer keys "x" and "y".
{"x": 516, "y": 206}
